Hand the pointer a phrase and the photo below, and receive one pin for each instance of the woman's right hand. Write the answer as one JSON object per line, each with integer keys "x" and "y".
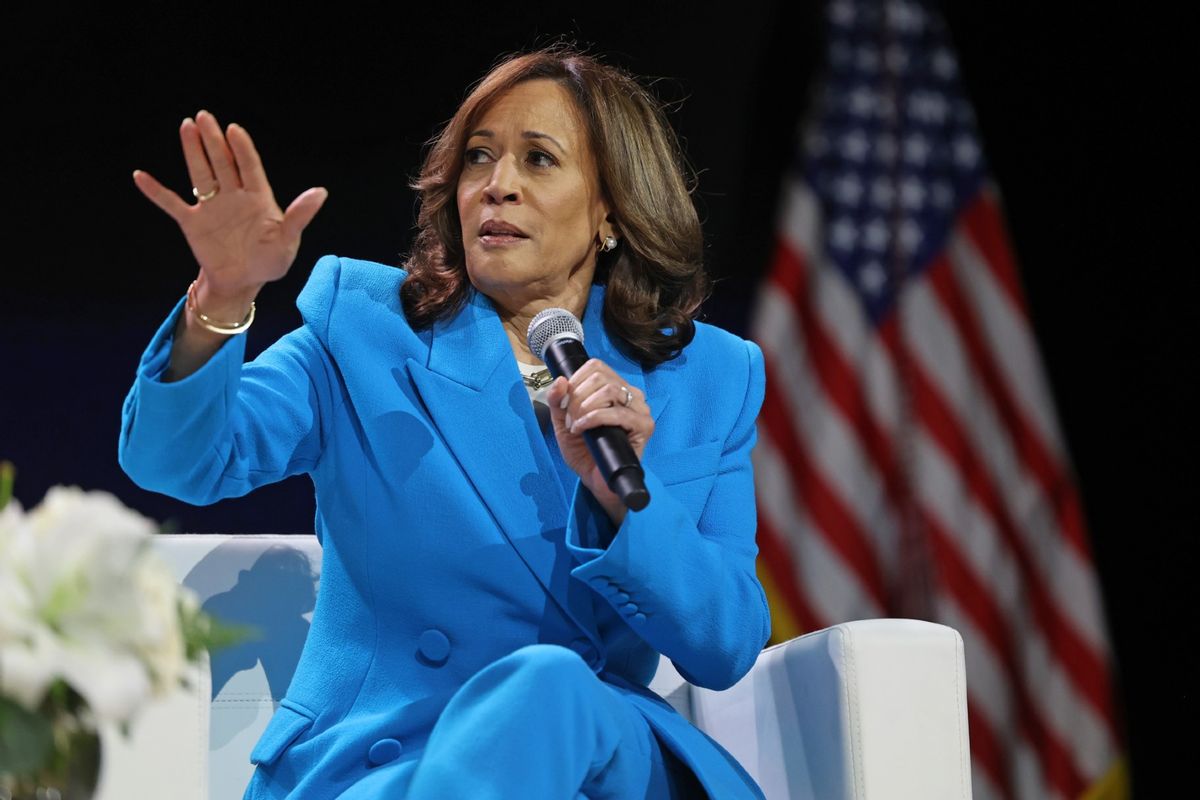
{"x": 239, "y": 236}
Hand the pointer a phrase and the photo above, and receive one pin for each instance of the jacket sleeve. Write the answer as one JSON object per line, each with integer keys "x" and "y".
{"x": 689, "y": 588}
{"x": 231, "y": 427}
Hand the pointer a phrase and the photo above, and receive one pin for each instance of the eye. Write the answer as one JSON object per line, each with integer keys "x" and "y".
{"x": 540, "y": 158}
{"x": 475, "y": 155}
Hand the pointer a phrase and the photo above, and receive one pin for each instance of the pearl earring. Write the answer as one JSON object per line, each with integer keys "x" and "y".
{"x": 610, "y": 244}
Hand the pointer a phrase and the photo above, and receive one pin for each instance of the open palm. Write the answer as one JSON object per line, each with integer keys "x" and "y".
{"x": 239, "y": 236}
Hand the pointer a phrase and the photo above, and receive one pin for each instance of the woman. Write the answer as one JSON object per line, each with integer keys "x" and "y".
{"x": 489, "y": 613}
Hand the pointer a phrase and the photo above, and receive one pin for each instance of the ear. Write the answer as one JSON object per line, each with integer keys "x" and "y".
{"x": 608, "y": 227}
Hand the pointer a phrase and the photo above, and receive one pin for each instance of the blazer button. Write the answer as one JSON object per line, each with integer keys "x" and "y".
{"x": 434, "y": 646}
{"x": 383, "y": 751}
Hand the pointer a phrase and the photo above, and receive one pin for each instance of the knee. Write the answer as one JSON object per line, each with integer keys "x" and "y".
{"x": 545, "y": 668}
{"x": 546, "y": 660}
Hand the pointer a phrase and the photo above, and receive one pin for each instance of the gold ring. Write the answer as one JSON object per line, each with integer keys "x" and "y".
{"x": 628, "y": 396}
{"x": 209, "y": 195}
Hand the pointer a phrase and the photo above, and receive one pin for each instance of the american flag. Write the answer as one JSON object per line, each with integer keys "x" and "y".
{"x": 910, "y": 462}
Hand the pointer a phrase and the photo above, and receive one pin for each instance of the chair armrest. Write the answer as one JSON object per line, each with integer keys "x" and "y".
{"x": 192, "y": 745}
{"x": 671, "y": 686}
{"x": 166, "y": 753}
{"x": 864, "y": 710}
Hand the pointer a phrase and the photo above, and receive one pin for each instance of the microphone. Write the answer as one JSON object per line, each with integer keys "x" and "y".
{"x": 556, "y": 337}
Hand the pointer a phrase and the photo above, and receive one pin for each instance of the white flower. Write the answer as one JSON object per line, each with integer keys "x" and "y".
{"x": 85, "y": 599}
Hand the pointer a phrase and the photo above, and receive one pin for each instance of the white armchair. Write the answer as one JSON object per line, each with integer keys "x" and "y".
{"x": 864, "y": 710}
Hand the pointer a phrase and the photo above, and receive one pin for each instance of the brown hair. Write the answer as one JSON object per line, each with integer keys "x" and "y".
{"x": 655, "y": 278}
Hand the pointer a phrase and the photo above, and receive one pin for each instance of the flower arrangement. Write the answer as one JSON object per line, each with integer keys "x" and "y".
{"x": 92, "y": 625}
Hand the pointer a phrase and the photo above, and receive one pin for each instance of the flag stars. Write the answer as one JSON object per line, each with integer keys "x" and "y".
{"x": 854, "y": 146}
{"x": 876, "y": 236}
{"x": 872, "y": 277}
{"x": 910, "y": 235}
{"x": 916, "y": 149}
{"x": 906, "y": 17}
{"x": 944, "y": 65}
{"x": 843, "y": 234}
{"x": 912, "y": 194}
{"x": 848, "y": 189}
{"x": 929, "y": 108}
{"x": 966, "y": 152}
{"x": 863, "y": 102}
{"x": 889, "y": 159}
{"x": 842, "y": 13}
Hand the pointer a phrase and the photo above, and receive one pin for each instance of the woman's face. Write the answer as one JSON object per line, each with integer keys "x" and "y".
{"x": 529, "y": 199}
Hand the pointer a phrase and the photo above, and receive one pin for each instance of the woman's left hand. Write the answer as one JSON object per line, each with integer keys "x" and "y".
{"x": 596, "y": 395}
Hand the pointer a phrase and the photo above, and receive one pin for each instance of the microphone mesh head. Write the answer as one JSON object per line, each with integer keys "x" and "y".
{"x": 550, "y": 324}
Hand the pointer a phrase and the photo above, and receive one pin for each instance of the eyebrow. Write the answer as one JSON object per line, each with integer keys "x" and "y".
{"x": 487, "y": 134}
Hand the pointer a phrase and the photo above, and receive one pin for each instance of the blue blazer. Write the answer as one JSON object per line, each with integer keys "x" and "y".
{"x": 448, "y": 540}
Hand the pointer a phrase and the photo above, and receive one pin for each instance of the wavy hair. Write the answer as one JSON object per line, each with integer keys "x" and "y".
{"x": 655, "y": 279}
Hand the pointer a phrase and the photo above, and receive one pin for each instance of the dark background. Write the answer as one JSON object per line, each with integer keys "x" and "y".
{"x": 1081, "y": 122}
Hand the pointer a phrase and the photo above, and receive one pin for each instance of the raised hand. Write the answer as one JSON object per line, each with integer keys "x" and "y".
{"x": 238, "y": 234}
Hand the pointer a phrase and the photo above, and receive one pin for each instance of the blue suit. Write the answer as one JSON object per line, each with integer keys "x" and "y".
{"x": 448, "y": 539}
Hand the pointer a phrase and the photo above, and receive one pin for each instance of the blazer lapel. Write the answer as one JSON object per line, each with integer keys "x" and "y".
{"x": 472, "y": 390}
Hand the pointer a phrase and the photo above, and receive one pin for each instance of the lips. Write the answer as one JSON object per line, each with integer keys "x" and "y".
{"x": 494, "y": 227}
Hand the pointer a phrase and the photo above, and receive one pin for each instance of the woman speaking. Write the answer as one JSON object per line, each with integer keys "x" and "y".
{"x": 490, "y": 611}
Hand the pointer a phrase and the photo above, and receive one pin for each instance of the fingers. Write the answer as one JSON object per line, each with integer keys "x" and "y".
{"x": 605, "y": 394}
{"x": 557, "y": 399}
{"x": 558, "y": 393}
{"x": 595, "y": 384}
{"x": 249, "y": 165}
{"x": 637, "y": 423}
{"x": 199, "y": 170}
{"x": 596, "y": 388}
{"x": 217, "y": 150}
{"x": 160, "y": 195}
{"x": 302, "y": 210}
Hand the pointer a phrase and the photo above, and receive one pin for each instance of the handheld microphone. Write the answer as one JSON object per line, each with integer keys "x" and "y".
{"x": 556, "y": 337}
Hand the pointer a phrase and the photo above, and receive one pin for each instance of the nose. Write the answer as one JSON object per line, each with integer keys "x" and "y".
{"x": 504, "y": 186}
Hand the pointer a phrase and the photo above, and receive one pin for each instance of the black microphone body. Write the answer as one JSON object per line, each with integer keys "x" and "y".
{"x": 609, "y": 444}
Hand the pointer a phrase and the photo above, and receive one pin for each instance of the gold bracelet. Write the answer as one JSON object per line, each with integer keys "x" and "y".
{"x": 217, "y": 327}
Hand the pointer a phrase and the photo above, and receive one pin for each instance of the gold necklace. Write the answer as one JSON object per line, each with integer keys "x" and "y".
{"x": 539, "y": 379}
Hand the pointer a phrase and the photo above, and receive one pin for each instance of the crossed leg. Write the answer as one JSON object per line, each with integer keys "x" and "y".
{"x": 539, "y": 723}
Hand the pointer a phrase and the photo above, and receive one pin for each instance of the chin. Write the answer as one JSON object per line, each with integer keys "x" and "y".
{"x": 491, "y": 274}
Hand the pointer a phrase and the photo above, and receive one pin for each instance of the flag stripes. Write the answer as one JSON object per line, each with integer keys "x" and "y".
{"x": 999, "y": 559}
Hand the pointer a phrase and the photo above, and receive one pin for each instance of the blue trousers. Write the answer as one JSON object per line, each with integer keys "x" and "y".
{"x": 539, "y": 723}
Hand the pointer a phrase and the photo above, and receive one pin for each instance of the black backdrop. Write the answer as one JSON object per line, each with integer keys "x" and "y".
{"x": 1079, "y": 117}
